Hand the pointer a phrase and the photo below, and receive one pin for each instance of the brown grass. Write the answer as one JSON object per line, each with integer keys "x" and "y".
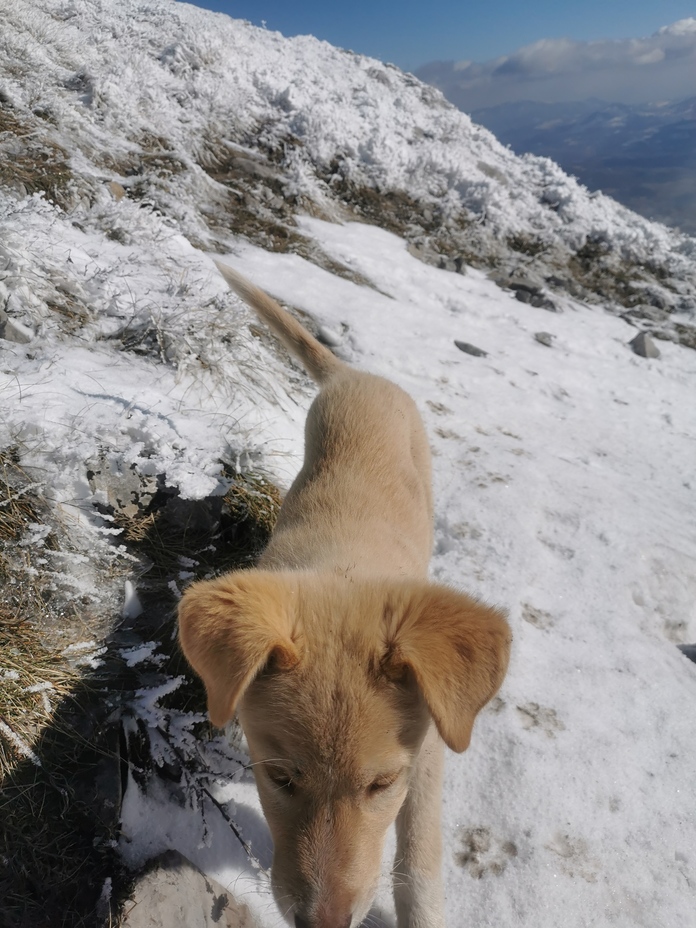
{"x": 30, "y": 161}
{"x": 48, "y": 863}
{"x": 219, "y": 533}
{"x": 33, "y": 679}
{"x": 62, "y": 751}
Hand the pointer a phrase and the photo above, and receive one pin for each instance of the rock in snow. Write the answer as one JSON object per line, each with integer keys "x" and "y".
{"x": 544, "y": 338}
{"x": 688, "y": 650}
{"x": 12, "y": 330}
{"x": 471, "y": 349}
{"x": 172, "y": 893}
{"x": 644, "y": 346}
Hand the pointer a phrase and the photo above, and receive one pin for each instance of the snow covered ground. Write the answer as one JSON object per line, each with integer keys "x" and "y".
{"x": 564, "y": 492}
{"x": 564, "y": 488}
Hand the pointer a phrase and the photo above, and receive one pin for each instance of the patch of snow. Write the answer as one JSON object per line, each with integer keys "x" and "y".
{"x": 136, "y": 655}
{"x": 132, "y": 606}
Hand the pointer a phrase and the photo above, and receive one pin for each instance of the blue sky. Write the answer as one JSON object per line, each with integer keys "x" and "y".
{"x": 410, "y": 34}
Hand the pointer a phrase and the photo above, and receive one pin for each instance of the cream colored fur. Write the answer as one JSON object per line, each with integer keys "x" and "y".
{"x": 348, "y": 669}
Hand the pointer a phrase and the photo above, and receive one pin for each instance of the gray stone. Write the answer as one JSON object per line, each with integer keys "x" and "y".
{"x": 128, "y": 492}
{"x": 545, "y": 338}
{"x": 644, "y": 311}
{"x": 567, "y": 285}
{"x": 657, "y": 300}
{"x": 543, "y": 302}
{"x": 447, "y": 264}
{"x": 527, "y": 291}
{"x": 688, "y": 650}
{"x": 520, "y": 284}
{"x": 471, "y": 349}
{"x": 13, "y": 331}
{"x": 493, "y": 172}
{"x": 329, "y": 337}
{"x": 644, "y": 346}
{"x": 426, "y": 255}
{"x": 378, "y": 75}
{"x": 173, "y": 893}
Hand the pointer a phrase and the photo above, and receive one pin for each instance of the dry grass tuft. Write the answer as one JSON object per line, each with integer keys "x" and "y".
{"x": 63, "y": 757}
{"x": 252, "y": 500}
{"x": 213, "y": 534}
{"x": 33, "y": 679}
{"x": 21, "y": 506}
{"x": 18, "y": 504}
{"x": 56, "y": 849}
{"x": 54, "y": 853}
{"x": 47, "y": 860}
{"x": 30, "y": 161}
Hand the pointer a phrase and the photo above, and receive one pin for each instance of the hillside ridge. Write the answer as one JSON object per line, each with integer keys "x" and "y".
{"x": 226, "y": 129}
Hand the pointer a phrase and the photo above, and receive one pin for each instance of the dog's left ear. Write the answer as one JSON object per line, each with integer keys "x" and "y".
{"x": 456, "y": 648}
{"x": 231, "y": 628}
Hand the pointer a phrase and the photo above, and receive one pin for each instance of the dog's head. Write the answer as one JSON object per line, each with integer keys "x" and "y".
{"x": 336, "y": 683}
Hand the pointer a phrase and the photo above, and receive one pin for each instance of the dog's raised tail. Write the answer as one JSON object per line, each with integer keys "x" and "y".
{"x": 321, "y": 363}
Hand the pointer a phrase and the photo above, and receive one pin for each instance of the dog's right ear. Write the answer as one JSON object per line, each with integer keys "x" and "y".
{"x": 456, "y": 648}
{"x": 231, "y": 628}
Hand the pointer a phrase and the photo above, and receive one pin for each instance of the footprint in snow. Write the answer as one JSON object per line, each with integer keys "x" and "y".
{"x": 483, "y": 854}
{"x": 496, "y": 705}
{"x": 575, "y": 859}
{"x": 439, "y": 408}
{"x": 563, "y": 551}
{"x": 537, "y": 617}
{"x": 533, "y": 716}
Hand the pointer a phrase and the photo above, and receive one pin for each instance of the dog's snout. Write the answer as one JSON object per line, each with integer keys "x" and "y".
{"x": 327, "y": 920}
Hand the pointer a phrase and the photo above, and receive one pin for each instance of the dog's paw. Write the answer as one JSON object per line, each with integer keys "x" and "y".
{"x": 483, "y": 854}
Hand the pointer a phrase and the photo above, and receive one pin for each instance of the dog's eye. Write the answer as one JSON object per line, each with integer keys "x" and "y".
{"x": 282, "y": 780}
{"x": 381, "y": 784}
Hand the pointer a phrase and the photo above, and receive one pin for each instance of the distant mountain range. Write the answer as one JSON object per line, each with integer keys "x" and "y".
{"x": 642, "y": 156}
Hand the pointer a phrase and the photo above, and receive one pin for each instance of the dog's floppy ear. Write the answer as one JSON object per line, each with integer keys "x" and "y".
{"x": 231, "y": 627}
{"x": 456, "y": 648}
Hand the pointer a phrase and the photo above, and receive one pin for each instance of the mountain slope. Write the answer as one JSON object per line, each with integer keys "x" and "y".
{"x": 224, "y": 127}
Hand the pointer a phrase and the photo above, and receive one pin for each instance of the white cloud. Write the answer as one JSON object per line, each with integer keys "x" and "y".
{"x": 660, "y": 67}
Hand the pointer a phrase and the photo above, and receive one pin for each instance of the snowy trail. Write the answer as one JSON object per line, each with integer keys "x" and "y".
{"x": 562, "y": 492}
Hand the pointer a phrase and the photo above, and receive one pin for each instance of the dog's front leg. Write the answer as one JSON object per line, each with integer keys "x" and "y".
{"x": 418, "y": 891}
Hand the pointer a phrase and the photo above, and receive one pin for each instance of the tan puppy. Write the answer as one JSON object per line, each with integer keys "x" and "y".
{"x": 347, "y": 668}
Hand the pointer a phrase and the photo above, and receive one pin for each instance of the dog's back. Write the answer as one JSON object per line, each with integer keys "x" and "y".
{"x": 362, "y": 502}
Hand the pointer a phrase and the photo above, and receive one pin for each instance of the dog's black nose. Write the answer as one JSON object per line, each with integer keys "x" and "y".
{"x": 300, "y": 922}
